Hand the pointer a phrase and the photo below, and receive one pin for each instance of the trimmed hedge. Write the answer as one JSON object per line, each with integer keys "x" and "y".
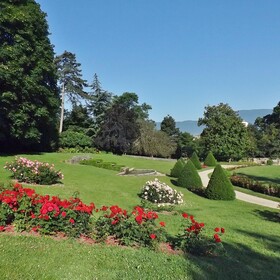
{"x": 256, "y": 186}
{"x": 189, "y": 177}
{"x": 210, "y": 160}
{"x": 219, "y": 186}
{"x": 195, "y": 160}
{"x": 177, "y": 169}
{"x": 99, "y": 163}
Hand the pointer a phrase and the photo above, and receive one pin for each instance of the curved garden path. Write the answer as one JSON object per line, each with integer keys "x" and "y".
{"x": 239, "y": 195}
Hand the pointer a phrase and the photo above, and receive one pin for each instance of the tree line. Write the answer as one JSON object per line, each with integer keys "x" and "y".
{"x": 35, "y": 84}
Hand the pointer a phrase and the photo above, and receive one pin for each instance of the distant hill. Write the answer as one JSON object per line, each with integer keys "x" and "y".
{"x": 247, "y": 115}
{"x": 251, "y": 115}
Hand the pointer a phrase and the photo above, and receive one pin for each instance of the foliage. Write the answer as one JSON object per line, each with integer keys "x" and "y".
{"x": 137, "y": 228}
{"x": 269, "y": 162}
{"x": 267, "y": 133}
{"x": 79, "y": 150}
{"x": 256, "y": 186}
{"x": 160, "y": 193}
{"x": 195, "y": 160}
{"x": 168, "y": 125}
{"x": 219, "y": 186}
{"x": 79, "y": 120}
{"x": 121, "y": 128}
{"x": 29, "y": 98}
{"x": 193, "y": 240}
{"x": 30, "y": 211}
{"x": 70, "y": 80}
{"x": 99, "y": 163}
{"x": 99, "y": 103}
{"x": 72, "y": 139}
{"x": 224, "y": 134}
{"x": 189, "y": 177}
{"x": 28, "y": 171}
{"x": 152, "y": 142}
{"x": 187, "y": 144}
{"x": 177, "y": 168}
{"x": 210, "y": 160}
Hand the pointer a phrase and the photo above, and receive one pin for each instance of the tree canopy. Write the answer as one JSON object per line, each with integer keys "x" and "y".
{"x": 29, "y": 98}
{"x": 224, "y": 134}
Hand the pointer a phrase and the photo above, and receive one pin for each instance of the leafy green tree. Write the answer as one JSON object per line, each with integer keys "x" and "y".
{"x": 195, "y": 160}
{"x": 224, "y": 134}
{"x": 99, "y": 103}
{"x": 210, "y": 160}
{"x": 152, "y": 142}
{"x": 168, "y": 125}
{"x": 72, "y": 139}
{"x": 267, "y": 134}
{"x": 177, "y": 168}
{"x": 121, "y": 126}
{"x": 187, "y": 144}
{"x": 29, "y": 98}
{"x": 189, "y": 177}
{"x": 78, "y": 119}
{"x": 70, "y": 81}
{"x": 219, "y": 186}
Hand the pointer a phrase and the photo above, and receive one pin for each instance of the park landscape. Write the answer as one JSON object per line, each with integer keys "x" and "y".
{"x": 72, "y": 202}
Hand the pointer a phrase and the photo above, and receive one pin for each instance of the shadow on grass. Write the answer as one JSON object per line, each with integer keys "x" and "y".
{"x": 17, "y": 154}
{"x": 174, "y": 182}
{"x": 261, "y": 178}
{"x": 268, "y": 215}
{"x": 240, "y": 262}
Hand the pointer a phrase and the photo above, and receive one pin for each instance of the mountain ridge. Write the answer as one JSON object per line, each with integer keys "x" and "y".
{"x": 191, "y": 126}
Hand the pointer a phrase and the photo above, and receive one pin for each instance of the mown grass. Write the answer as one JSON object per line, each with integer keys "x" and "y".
{"x": 252, "y": 233}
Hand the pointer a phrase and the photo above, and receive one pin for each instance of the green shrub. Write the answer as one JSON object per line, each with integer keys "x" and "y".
{"x": 99, "y": 163}
{"x": 210, "y": 160}
{"x": 269, "y": 162}
{"x": 195, "y": 160}
{"x": 177, "y": 169}
{"x": 256, "y": 186}
{"x": 189, "y": 177}
{"x": 72, "y": 139}
{"x": 219, "y": 186}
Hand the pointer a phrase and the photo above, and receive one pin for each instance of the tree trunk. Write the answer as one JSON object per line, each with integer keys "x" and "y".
{"x": 62, "y": 108}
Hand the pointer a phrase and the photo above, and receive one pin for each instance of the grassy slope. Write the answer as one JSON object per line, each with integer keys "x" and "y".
{"x": 252, "y": 233}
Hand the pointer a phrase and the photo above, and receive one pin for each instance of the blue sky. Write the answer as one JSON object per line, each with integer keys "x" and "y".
{"x": 177, "y": 55}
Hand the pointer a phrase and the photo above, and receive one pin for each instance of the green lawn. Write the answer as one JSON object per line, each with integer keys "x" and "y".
{"x": 269, "y": 174}
{"x": 252, "y": 233}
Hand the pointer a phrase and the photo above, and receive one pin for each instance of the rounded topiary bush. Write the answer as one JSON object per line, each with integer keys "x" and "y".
{"x": 219, "y": 186}
{"x": 210, "y": 160}
{"x": 177, "y": 169}
{"x": 189, "y": 177}
{"x": 195, "y": 160}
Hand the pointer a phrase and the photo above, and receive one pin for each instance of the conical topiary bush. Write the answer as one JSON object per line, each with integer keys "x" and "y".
{"x": 210, "y": 160}
{"x": 195, "y": 160}
{"x": 189, "y": 177}
{"x": 219, "y": 186}
{"x": 177, "y": 169}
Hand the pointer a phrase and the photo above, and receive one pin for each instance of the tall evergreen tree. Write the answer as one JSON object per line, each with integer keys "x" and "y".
{"x": 99, "y": 103}
{"x": 29, "y": 98}
{"x": 70, "y": 81}
{"x": 168, "y": 125}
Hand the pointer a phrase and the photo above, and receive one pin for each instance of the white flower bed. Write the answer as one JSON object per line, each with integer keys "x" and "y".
{"x": 159, "y": 192}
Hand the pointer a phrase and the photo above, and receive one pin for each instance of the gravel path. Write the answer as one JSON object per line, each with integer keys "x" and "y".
{"x": 239, "y": 195}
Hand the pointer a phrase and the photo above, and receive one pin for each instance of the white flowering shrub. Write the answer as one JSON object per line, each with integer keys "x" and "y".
{"x": 159, "y": 192}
